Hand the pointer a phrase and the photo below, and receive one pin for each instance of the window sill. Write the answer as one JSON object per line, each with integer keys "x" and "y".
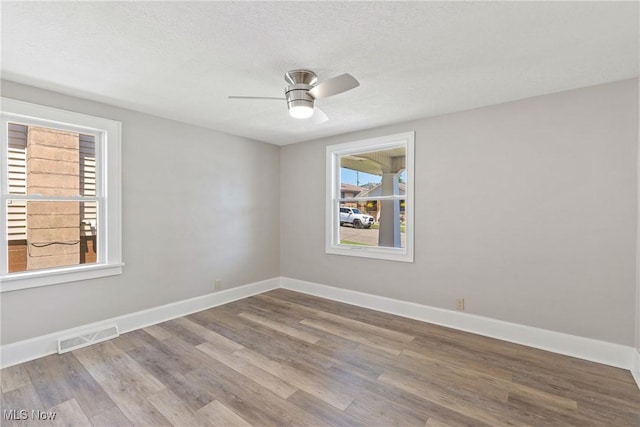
{"x": 34, "y": 279}
{"x": 375, "y": 252}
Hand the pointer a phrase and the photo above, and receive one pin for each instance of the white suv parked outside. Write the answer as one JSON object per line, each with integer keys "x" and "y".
{"x": 354, "y": 217}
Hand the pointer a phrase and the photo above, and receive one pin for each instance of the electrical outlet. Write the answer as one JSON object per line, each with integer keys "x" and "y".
{"x": 460, "y": 304}
{"x": 218, "y": 284}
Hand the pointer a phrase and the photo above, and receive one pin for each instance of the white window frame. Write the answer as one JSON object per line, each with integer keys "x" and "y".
{"x": 107, "y": 135}
{"x": 334, "y": 152}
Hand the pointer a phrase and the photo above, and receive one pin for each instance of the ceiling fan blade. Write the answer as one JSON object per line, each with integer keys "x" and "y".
{"x": 334, "y": 86}
{"x": 318, "y": 116}
{"x": 256, "y": 97}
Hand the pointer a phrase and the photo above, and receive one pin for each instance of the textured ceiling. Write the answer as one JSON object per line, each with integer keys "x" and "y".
{"x": 181, "y": 60}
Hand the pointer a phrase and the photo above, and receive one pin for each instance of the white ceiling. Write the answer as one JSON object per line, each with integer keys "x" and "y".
{"x": 181, "y": 60}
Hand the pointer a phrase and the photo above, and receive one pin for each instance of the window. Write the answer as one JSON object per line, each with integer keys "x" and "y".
{"x": 60, "y": 201}
{"x": 370, "y": 198}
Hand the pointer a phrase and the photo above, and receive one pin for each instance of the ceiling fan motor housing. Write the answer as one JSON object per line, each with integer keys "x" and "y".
{"x": 307, "y": 77}
{"x": 297, "y": 93}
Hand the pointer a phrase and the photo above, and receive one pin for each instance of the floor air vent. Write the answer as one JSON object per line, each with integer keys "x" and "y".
{"x": 86, "y": 338}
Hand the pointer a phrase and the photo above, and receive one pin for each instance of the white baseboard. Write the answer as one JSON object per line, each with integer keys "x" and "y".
{"x": 635, "y": 371}
{"x": 584, "y": 348}
{"x": 23, "y": 351}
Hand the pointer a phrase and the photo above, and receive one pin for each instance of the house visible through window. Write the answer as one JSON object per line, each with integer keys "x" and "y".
{"x": 50, "y": 232}
{"x": 370, "y": 196}
{"x": 61, "y": 204}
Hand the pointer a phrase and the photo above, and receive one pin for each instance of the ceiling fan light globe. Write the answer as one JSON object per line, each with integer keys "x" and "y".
{"x": 300, "y": 111}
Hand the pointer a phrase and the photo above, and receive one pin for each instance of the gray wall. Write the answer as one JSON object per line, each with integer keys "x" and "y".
{"x": 525, "y": 209}
{"x": 197, "y": 205}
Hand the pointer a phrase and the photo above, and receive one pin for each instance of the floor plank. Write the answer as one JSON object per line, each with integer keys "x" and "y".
{"x": 69, "y": 413}
{"x": 133, "y": 403}
{"x": 14, "y": 377}
{"x": 111, "y": 418}
{"x": 219, "y": 415}
{"x": 19, "y": 403}
{"x": 264, "y": 378}
{"x": 298, "y": 379}
{"x": 292, "y": 332}
{"x": 174, "y": 409}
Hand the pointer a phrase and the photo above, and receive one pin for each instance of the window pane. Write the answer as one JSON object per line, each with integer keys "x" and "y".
{"x": 362, "y": 174}
{"x": 48, "y": 234}
{"x": 381, "y": 232}
{"x": 50, "y": 162}
{"x": 370, "y": 174}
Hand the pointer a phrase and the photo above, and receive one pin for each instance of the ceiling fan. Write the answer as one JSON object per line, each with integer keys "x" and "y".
{"x": 302, "y": 92}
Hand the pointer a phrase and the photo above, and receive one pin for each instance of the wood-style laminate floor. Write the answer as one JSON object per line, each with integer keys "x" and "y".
{"x": 284, "y": 358}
